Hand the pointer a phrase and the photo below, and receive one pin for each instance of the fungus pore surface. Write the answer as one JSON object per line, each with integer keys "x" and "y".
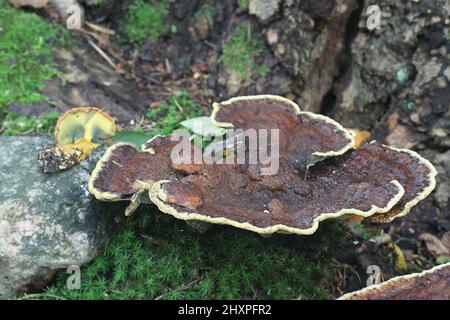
{"x": 319, "y": 175}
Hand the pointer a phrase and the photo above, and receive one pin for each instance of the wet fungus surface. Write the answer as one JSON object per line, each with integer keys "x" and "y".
{"x": 79, "y": 131}
{"x": 90, "y": 123}
{"x": 319, "y": 176}
{"x": 433, "y": 284}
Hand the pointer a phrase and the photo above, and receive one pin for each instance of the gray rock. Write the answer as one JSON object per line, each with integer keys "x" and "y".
{"x": 47, "y": 222}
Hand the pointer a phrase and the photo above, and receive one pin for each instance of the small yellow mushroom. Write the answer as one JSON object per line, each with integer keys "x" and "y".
{"x": 78, "y": 133}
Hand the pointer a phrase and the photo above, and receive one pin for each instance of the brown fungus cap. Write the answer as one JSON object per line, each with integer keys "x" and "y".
{"x": 123, "y": 169}
{"x": 285, "y": 202}
{"x": 369, "y": 181}
{"x": 433, "y": 284}
{"x": 304, "y": 136}
{"x": 416, "y": 174}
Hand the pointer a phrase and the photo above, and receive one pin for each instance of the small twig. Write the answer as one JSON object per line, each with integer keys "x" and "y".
{"x": 306, "y": 172}
{"x": 142, "y": 183}
{"x": 182, "y": 288}
{"x": 168, "y": 94}
{"x": 168, "y": 65}
{"x": 210, "y": 44}
{"x": 43, "y": 295}
{"x": 152, "y": 80}
{"x": 101, "y": 53}
{"x": 89, "y": 33}
{"x": 100, "y": 28}
{"x": 133, "y": 62}
{"x": 178, "y": 105}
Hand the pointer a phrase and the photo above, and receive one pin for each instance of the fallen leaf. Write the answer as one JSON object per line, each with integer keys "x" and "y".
{"x": 434, "y": 245}
{"x": 381, "y": 239}
{"x": 446, "y": 240}
{"x": 400, "y": 260}
{"x": 203, "y": 126}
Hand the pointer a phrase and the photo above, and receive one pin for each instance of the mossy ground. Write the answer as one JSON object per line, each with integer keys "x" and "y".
{"x": 26, "y": 56}
{"x": 146, "y": 20}
{"x": 156, "y": 256}
{"x": 240, "y": 51}
{"x": 169, "y": 115}
{"x": 15, "y": 124}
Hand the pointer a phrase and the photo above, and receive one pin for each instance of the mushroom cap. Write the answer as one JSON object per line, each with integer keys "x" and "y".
{"x": 306, "y": 136}
{"x": 89, "y": 123}
{"x": 363, "y": 182}
{"x": 123, "y": 169}
{"x": 428, "y": 285}
{"x": 418, "y": 177}
{"x": 372, "y": 180}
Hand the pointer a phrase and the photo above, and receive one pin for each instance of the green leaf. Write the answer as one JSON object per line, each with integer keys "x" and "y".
{"x": 442, "y": 259}
{"x": 203, "y": 126}
{"x": 136, "y": 138}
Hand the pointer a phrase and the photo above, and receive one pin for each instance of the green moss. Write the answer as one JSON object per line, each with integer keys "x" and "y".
{"x": 442, "y": 259}
{"x": 208, "y": 11}
{"x": 167, "y": 116}
{"x": 15, "y": 124}
{"x": 26, "y": 44}
{"x": 243, "y": 4}
{"x": 239, "y": 53}
{"x": 366, "y": 230}
{"x": 157, "y": 256}
{"x": 146, "y": 20}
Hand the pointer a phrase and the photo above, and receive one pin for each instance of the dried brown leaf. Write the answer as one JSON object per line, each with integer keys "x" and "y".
{"x": 434, "y": 245}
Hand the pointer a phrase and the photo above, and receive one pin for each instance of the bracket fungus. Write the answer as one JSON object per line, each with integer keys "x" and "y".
{"x": 305, "y": 137}
{"x": 319, "y": 175}
{"x": 79, "y": 131}
{"x": 433, "y": 284}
